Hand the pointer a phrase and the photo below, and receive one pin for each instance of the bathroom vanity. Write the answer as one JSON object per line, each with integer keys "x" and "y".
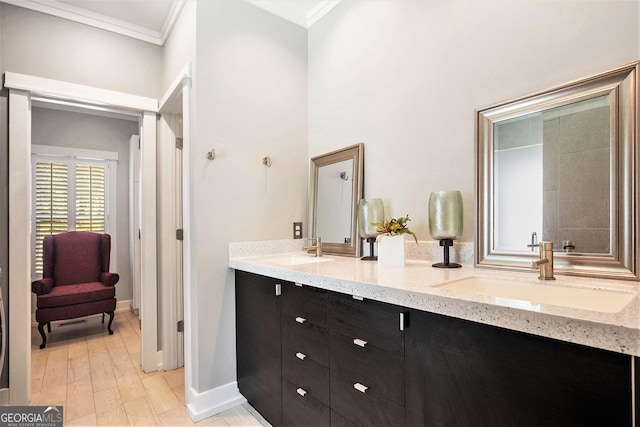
{"x": 339, "y": 341}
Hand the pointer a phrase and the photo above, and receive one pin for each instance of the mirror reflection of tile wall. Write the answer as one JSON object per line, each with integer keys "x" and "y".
{"x": 576, "y": 162}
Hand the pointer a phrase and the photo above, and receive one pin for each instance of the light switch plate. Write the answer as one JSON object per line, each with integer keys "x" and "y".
{"x": 297, "y": 230}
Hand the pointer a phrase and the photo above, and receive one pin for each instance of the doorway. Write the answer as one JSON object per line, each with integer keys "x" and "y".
{"x": 170, "y": 240}
{"x": 21, "y": 89}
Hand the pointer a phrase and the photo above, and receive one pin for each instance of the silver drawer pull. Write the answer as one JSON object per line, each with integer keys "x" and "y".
{"x": 301, "y": 391}
{"x": 300, "y": 319}
{"x": 301, "y": 356}
{"x": 361, "y": 388}
{"x": 359, "y": 342}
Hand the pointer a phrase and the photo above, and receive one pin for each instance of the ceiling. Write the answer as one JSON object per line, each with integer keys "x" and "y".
{"x": 152, "y": 20}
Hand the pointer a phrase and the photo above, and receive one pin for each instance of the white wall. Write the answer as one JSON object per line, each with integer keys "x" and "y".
{"x": 251, "y": 102}
{"x": 405, "y": 77}
{"x": 180, "y": 47}
{"x": 46, "y": 46}
{"x": 75, "y": 130}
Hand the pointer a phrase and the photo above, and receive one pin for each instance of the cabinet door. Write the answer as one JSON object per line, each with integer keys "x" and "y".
{"x": 258, "y": 344}
{"x": 461, "y": 373}
{"x": 367, "y": 362}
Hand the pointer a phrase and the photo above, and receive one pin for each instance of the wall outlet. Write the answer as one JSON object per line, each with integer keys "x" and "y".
{"x": 297, "y": 230}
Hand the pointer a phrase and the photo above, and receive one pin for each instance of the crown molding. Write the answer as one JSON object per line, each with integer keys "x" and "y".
{"x": 83, "y": 16}
{"x": 172, "y": 17}
{"x": 320, "y": 10}
{"x": 303, "y": 18}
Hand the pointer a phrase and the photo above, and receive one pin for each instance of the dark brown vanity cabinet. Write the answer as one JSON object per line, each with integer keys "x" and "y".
{"x": 258, "y": 343}
{"x": 305, "y": 357}
{"x": 316, "y": 358}
{"x": 367, "y": 362}
{"x": 461, "y": 373}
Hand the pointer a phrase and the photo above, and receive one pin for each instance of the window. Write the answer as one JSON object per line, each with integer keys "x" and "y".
{"x": 69, "y": 194}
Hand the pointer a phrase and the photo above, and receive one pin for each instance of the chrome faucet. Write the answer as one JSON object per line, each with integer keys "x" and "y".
{"x": 317, "y": 246}
{"x": 545, "y": 263}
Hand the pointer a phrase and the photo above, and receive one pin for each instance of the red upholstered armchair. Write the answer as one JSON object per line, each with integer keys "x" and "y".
{"x": 76, "y": 281}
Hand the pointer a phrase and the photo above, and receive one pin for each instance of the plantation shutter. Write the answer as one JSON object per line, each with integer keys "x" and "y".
{"x": 90, "y": 198}
{"x": 51, "y": 203}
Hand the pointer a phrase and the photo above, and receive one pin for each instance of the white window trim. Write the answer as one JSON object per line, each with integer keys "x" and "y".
{"x": 85, "y": 156}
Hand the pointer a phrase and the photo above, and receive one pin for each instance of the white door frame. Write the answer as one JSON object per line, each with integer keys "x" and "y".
{"x": 21, "y": 87}
{"x": 173, "y": 346}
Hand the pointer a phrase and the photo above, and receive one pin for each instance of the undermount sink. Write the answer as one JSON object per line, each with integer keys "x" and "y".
{"x": 600, "y": 300}
{"x": 296, "y": 260}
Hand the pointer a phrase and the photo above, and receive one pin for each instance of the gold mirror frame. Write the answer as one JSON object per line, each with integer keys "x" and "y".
{"x": 355, "y": 153}
{"x": 622, "y": 261}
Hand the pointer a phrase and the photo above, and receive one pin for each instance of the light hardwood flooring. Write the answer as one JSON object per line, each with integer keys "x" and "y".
{"x": 97, "y": 378}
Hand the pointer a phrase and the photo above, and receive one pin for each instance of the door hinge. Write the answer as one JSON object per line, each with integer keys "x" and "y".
{"x": 180, "y": 234}
{"x": 180, "y": 325}
{"x": 179, "y": 143}
{"x": 139, "y": 234}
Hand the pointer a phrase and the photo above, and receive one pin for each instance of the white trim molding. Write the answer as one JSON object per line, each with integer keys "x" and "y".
{"x": 104, "y": 22}
{"x": 214, "y": 401}
{"x": 75, "y": 153}
{"x": 19, "y": 246}
{"x": 320, "y": 10}
{"x": 78, "y": 93}
{"x": 304, "y": 16}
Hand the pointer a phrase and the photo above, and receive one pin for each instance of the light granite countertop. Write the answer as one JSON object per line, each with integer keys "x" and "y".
{"x": 417, "y": 285}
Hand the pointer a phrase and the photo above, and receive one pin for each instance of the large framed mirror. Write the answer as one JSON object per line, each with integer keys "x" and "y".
{"x": 336, "y": 186}
{"x": 561, "y": 166}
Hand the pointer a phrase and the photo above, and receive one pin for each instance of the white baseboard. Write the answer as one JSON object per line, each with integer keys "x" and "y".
{"x": 214, "y": 401}
{"x": 123, "y": 305}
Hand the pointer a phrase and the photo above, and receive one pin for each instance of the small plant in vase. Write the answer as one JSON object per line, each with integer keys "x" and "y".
{"x": 394, "y": 227}
{"x": 391, "y": 241}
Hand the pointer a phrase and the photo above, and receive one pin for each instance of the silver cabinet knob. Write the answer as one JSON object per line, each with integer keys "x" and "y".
{"x": 361, "y": 388}
{"x": 301, "y": 391}
{"x": 301, "y": 356}
{"x": 300, "y": 319}
{"x": 359, "y": 342}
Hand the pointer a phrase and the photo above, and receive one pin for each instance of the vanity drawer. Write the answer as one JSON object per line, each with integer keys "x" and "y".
{"x": 306, "y": 302}
{"x": 305, "y": 337}
{"x": 369, "y": 408}
{"x": 306, "y": 373}
{"x": 299, "y": 410}
{"x": 378, "y": 322}
{"x": 376, "y": 368}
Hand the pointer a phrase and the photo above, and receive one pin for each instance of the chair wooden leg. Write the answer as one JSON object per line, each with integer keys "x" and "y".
{"x": 111, "y": 314}
{"x": 44, "y": 337}
{"x": 102, "y": 317}
{"x": 49, "y": 327}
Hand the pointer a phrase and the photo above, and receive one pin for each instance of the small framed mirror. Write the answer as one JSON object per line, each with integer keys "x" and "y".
{"x": 561, "y": 166}
{"x": 336, "y": 186}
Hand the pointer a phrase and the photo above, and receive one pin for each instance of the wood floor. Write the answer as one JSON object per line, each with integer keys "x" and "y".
{"x": 98, "y": 380}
